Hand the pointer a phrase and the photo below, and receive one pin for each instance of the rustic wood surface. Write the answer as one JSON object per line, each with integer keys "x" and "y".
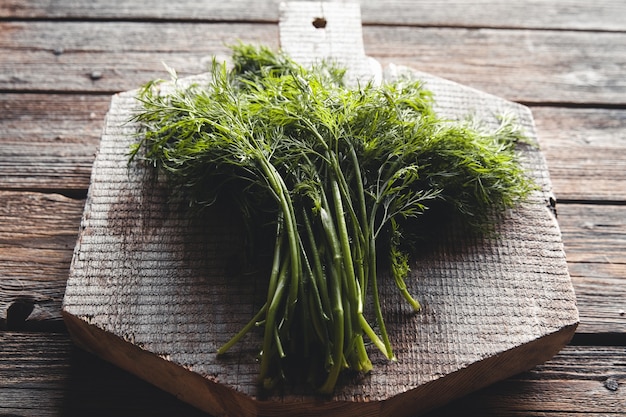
{"x": 150, "y": 291}
{"x": 61, "y": 61}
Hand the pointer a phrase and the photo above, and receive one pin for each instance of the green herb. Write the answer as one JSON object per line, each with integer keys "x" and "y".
{"x": 345, "y": 175}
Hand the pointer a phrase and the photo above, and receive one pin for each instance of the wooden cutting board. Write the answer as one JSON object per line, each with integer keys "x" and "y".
{"x": 157, "y": 291}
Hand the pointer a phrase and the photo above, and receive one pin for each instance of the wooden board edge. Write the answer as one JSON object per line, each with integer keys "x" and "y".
{"x": 201, "y": 392}
{"x": 188, "y": 386}
{"x": 218, "y": 400}
{"x": 457, "y": 384}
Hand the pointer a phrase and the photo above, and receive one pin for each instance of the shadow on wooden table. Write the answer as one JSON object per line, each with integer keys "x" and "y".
{"x": 96, "y": 385}
{"x": 98, "y": 388}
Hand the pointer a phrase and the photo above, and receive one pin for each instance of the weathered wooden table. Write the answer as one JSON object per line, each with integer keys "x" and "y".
{"x": 61, "y": 63}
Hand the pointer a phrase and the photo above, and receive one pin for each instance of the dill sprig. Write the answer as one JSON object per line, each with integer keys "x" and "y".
{"x": 345, "y": 174}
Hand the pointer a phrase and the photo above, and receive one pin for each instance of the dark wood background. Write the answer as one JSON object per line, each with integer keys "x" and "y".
{"x": 60, "y": 62}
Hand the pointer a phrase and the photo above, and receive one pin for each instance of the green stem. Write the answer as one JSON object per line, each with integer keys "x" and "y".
{"x": 388, "y": 351}
{"x": 364, "y": 363}
{"x": 359, "y": 192}
{"x": 317, "y": 272}
{"x": 282, "y": 194}
{"x": 338, "y": 314}
{"x": 346, "y": 251}
{"x": 378, "y": 342}
{"x": 251, "y": 324}
{"x": 270, "y": 321}
{"x": 405, "y": 293}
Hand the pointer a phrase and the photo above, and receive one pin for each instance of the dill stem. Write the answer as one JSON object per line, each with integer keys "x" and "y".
{"x": 282, "y": 194}
{"x": 249, "y": 326}
{"x": 270, "y": 320}
{"x": 346, "y": 251}
{"x": 337, "y": 300}
{"x": 359, "y": 192}
{"x": 388, "y": 351}
{"x": 317, "y": 273}
{"x": 338, "y": 337}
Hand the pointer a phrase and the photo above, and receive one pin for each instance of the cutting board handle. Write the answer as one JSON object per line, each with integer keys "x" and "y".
{"x": 312, "y": 31}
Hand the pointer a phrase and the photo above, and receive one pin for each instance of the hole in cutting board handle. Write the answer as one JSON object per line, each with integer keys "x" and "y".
{"x": 319, "y": 23}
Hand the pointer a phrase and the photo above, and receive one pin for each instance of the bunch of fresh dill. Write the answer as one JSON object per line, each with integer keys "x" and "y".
{"x": 344, "y": 174}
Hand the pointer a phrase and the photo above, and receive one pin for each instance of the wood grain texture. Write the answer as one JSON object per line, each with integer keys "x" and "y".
{"x": 37, "y": 236}
{"x": 576, "y": 386}
{"x": 45, "y": 60}
{"x": 139, "y": 263}
{"x": 48, "y": 141}
{"x": 526, "y": 14}
{"x": 109, "y": 57}
{"x": 593, "y": 236}
{"x": 519, "y": 65}
{"x": 594, "y": 233}
{"x": 525, "y": 66}
{"x": 40, "y": 119}
{"x": 600, "y": 295}
{"x": 586, "y": 152}
{"x": 55, "y": 375}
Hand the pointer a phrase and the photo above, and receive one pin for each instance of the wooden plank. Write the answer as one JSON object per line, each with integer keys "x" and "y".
{"x": 62, "y": 39}
{"x": 526, "y": 66}
{"x": 590, "y": 384}
{"x": 113, "y": 70}
{"x": 43, "y": 119}
{"x": 589, "y": 173}
{"x": 594, "y": 239}
{"x": 52, "y": 167}
{"x": 48, "y": 141}
{"x": 600, "y": 294}
{"x": 525, "y": 14}
{"x": 580, "y": 128}
{"x": 593, "y": 233}
{"x": 37, "y": 236}
{"x": 574, "y": 15}
{"x": 57, "y": 379}
{"x": 585, "y": 150}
